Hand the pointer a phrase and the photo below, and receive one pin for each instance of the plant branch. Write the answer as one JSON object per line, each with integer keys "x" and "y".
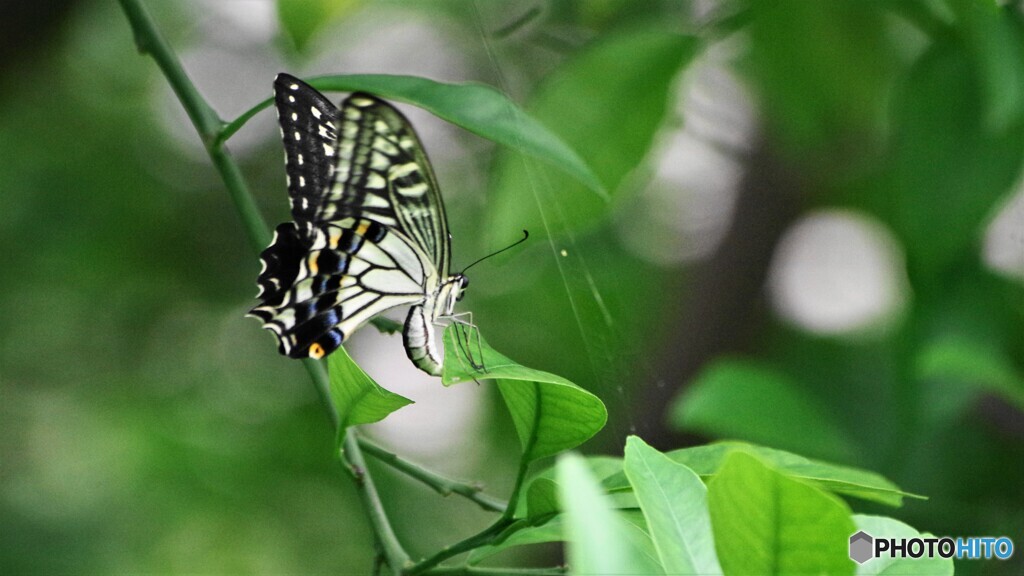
{"x": 524, "y": 463}
{"x": 209, "y": 126}
{"x": 207, "y": 123}
{"x": 496, "y": 571}
{"x": 149, "y": 41}
{"x": 394, "y": 554}
{"x": 235, "y": 125}
{"x": 441, "y": 484}
{"x": 482, "y": 539}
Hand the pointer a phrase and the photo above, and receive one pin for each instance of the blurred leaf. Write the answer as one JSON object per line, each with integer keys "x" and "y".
{"x": 977, "y": 366}
{"x": 550, "y": 413}
{"x": 600, "y": 542}
{"x": 994, "y": 39}
{"x": 478, "y": 108}
{"x": 706, "y": 461}
{"x": 885, "y": 566}
{"x": 607, "y": 103}
{"x": 553, "y": 530}
{"x": 822, "y": 69}
{"x": 767, "y": 523}
{"x": 542, "y": 490}
{"x": 302, "y": 19}
{"x": 356, "y": 397}
{"x": 674, "y": 503}
{"x": 947, "y": 169}
{"x": 743, "y": 399}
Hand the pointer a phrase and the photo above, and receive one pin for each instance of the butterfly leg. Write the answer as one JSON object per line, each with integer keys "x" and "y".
{"x": 464, "y": 332}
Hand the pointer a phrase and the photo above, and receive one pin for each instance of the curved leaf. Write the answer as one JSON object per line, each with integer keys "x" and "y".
{"x": 553, "y": 530}
{"x": 706, "y": 461}
{"x": 767, "y": 523}
{"x": 542, "y": 490}
{"x": 356, "y": 397}
{"x": 674, "y": 502}
{"x": 599, "y": 541}
{"x": 885, "y": 566}
{"x": 550, "y": 531}
{"x": 301, "y": 20}
{"x": 608, "y": 104}
{"x": 479, "y": 108}
{"x": 746, "y": 400}
{"x": 550, "y": 413}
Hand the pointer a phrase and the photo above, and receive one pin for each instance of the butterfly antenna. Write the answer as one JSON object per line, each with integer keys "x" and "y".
{"x": 509, "y": 247}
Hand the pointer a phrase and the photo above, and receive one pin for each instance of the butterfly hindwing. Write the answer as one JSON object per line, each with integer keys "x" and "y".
{"x": 369, "y": 230}
{"x": 314, "y": 297}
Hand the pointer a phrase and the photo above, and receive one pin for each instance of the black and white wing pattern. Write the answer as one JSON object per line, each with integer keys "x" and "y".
{"x": 369, "y": 230}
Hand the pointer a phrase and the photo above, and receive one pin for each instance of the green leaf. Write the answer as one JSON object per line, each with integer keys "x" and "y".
{"x": 600, "y": 542}
{"x": 976, "y": 365}
{"x": 479, "y": 108}
{"x": 949, "y": 166}
{"x": 542, "y": 490}
{"x": 994, "y": 39}
{"x": 822, "y": 69}
{"x": 302, "y": 19}
{"x": 550, "y": 531}
{"x": 550, "y": 413}
{"x": 542, "y": 498}
{"x": 767, "y": 523}
{"x": 743, "y": 399}
{"x": 674, "y": 503}
{"x": 707, "y": 460}
{"x": 884, "y": 566}
{"x": 356, "y": 397}
{"x": 553, "y": 530}
{"x": 607, "y": 103}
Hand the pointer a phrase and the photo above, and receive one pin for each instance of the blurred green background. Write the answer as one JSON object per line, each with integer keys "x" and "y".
{"x": 814, "y": 240}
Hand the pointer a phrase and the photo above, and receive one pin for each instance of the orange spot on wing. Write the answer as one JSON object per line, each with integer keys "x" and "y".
{"x": 316, "y": 351}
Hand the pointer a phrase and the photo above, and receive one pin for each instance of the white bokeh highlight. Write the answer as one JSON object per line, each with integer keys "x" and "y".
{"x": 1004, "y": 238}
{"x": 686, "y": 210}
{"x": 442, "y": 421}
{"x": 836, "y": 272}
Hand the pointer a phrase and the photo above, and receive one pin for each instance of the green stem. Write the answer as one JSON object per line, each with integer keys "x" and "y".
{"x": 394, "y": 554}
{"x": 322, "y": 382}
{"x": 510, "y": 509}
{"x": 213, "y": 133}
{"x": 482, "y": 539}
{"x": 524, "y": 463}
{"x": 495, "y": 571}
{"x": 235, "y": 125}
{"x": 209, "y": 125}
{"x": 149, "y": 41}
{"x": 441, "y": 484}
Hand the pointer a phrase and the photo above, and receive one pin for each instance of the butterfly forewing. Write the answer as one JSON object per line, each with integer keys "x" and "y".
{"x": 309, "y": 124}
{"x": 383, "y": 174}
{"x": 369, "y": 230}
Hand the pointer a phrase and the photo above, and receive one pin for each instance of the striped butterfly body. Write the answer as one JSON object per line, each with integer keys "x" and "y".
{"x": 369, "y": 230}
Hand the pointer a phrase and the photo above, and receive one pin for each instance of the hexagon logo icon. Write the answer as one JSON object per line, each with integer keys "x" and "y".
{"x": 861, "y": 547}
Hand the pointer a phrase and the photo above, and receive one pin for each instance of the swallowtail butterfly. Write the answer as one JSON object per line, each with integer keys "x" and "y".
{"x": 369, "y": 230}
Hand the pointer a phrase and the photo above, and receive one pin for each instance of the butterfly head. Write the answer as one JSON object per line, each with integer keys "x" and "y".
{"x": 451, "y": 292}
